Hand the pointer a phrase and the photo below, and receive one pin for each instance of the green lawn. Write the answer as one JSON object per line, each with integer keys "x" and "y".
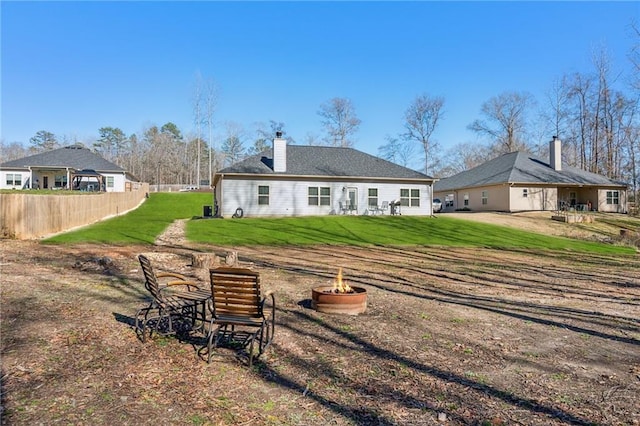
{"x": 145, "y": 223}
{"x": 142, "y": 225}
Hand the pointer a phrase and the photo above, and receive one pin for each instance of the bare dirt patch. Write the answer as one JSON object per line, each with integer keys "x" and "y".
{"x": 455, "y": 336}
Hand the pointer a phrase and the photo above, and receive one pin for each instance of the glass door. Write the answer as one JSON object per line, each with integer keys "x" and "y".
{"x": 353, "y": 200}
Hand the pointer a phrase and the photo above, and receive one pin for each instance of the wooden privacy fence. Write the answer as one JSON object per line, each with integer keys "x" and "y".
{"x": 29, "y": 216}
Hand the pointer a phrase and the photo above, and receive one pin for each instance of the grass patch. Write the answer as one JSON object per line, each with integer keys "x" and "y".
{"x": 146, "y": 223}
{"x": 380, "y": 230}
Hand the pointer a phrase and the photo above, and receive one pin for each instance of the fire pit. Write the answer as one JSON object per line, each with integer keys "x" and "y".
{"x": 339, "y": 298}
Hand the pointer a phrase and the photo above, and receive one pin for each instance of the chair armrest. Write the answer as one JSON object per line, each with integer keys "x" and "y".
{"x": 268, "y": 294}
{"x": 181, "y": 280}
{"x": 191, "y": 286}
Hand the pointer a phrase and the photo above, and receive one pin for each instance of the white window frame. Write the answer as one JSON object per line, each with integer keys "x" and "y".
{"x": 319, "y": 195}
{"x": 263, "y": 197}
{"x": 410, "y": 197}
{"x": 485, "y": 198}
{"x": 372, "y": 197}
{"x": 613, "y": 197}
{"x": 110, "y": 181}
{"x": 525, "y": 193}
{"x": 14, "y": 179}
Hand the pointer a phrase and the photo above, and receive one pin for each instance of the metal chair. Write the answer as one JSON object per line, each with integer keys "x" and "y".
{"x": 344, "y": 209}
{"x": 176, "y": 305}
{"x": 240, "y": 314}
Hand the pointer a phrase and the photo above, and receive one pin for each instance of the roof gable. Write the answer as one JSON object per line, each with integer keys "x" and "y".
{"x": 325, "y": 161}
{"x": 520, "y": 167}
{"x": 74, "y": 156}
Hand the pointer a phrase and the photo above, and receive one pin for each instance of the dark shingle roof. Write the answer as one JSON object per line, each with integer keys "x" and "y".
{"x": 325, "y": 161}
{"x": 74, "y": 156}
{"x": 520, "y": 167}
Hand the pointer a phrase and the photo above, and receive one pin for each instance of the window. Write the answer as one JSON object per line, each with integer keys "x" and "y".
{"x": 485, "y": 197}
{"x": 109, "y": 181}
{"x": 466, "y": 199}
{"x": 61, "y": 181}
{"x": 373, "y": 197}
{"x": 525, "y": 193}
{"x": 263, "y": 195}
{"x": 613, "y": 197}
{"x": 14, "y": 179}
{"x": 319, "y": 196}
{"x": 572, "y": 199}
{"x": 410, "y": 197}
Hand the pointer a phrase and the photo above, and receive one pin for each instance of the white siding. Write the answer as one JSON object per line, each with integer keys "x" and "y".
{"x": 25, "y": 182}
{"x": 290, "y": 198}
{"x": 118, "y": 182}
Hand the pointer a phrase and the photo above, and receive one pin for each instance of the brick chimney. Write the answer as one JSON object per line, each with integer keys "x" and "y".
{"x": 279, "y": 153}
{"x": 555, "y": 154}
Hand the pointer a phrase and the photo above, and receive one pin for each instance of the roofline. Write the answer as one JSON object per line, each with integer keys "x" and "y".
{"x": 576, "y": 185}
{"x": 320, "y": 177}
{"x": 29, "y": 168}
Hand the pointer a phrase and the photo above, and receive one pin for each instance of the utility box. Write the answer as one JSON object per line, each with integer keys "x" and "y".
{"x": 207, "y": 211}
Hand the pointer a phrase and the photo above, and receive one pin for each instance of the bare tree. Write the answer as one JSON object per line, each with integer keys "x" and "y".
{"x": 312, "y": 139}
{"x": 506, "y": 121}
{"x": 463, "y": 157}
{"x": 264, "y": 135}
{"x": 197, "y": 119}
{"x": 397, "y": 151}
{"x": 421, "y": 119}
{"x": 12, "y": 151}
{"x": 340, "y": 121}
{"x": 211, "y": 99}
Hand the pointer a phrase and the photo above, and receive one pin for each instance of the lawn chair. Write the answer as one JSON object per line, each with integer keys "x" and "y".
{"x": 384, "y": 207}
{"x": 176, "y": 305}
{"x": 240, "y": 314}
{"x": 344, "y": 208}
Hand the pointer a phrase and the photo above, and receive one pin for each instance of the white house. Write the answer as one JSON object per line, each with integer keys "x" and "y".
{"x": 56, "y": 169}
{"x": 294, "y": 180}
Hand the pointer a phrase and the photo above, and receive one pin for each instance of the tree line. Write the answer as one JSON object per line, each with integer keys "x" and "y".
{"x": 596, "y": 114}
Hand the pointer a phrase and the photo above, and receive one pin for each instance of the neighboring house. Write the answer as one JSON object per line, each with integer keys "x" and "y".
{"x": 520, "y": 182}
{"x": 58, "y": 168}
{"x": 293, "y": 180}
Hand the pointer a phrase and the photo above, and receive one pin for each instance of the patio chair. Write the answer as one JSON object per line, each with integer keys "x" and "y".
{"x": 344, "y": 209}
{"x": 176, "y": 303}
{"x": 384, "y": 207}
{"x": 240, "y": 314}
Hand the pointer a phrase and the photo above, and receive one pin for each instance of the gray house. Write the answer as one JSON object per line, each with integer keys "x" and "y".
{"x": 519, "y": 181}
{"x": 294, "y": 180}
{"x": 59, "y": 168}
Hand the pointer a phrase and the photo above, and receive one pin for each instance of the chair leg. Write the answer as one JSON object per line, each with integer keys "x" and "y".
{"x": 212, "y": 340}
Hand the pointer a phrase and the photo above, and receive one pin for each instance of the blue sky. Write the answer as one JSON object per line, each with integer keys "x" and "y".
{"x": 73, "y": 67}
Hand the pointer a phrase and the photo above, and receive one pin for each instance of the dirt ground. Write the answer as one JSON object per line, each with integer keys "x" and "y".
{"x": 450, "y": 336}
